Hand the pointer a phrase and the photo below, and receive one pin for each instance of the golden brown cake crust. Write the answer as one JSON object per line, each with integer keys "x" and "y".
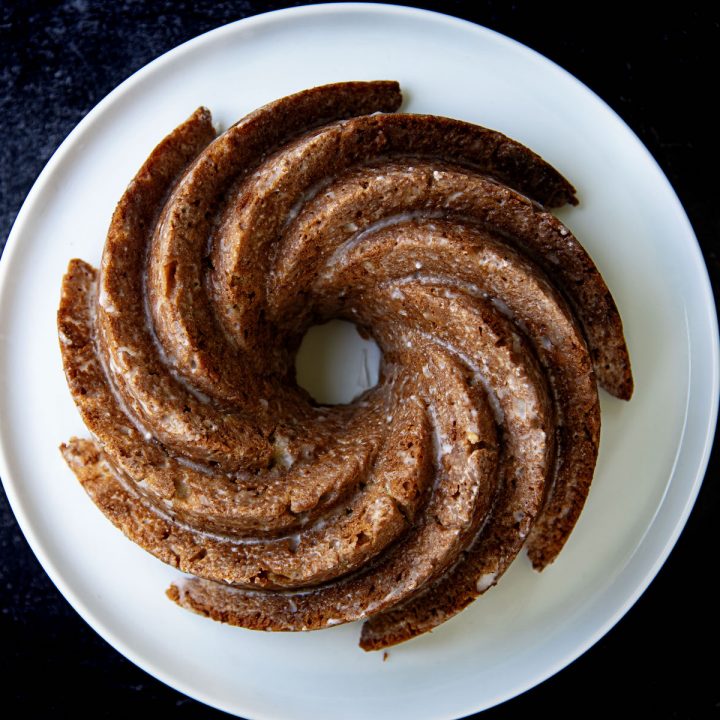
{"x": 403, "y": 506}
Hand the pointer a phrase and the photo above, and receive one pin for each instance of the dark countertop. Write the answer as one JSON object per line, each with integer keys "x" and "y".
{"x": 58, "y": 59}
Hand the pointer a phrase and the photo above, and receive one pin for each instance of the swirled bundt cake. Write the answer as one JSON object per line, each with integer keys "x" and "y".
{"x": 401, "y": 507}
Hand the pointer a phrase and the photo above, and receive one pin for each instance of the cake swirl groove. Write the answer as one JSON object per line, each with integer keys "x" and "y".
{"x": 406, "y": 504}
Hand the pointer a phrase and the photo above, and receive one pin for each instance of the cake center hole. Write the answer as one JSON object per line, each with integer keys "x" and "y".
{"x": 335, "y": 364}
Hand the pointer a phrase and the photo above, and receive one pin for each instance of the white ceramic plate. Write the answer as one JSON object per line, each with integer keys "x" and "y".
{"x": 654, "y": 449}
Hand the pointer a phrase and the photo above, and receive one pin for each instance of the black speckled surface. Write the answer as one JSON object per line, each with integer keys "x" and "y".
{"x": 58, "y": 59}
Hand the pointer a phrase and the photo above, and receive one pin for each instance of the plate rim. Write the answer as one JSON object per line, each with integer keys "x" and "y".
{"x": 279, "y": 16}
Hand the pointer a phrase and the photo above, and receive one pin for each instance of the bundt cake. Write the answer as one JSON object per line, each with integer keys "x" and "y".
{"x": 403, "y": 506}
